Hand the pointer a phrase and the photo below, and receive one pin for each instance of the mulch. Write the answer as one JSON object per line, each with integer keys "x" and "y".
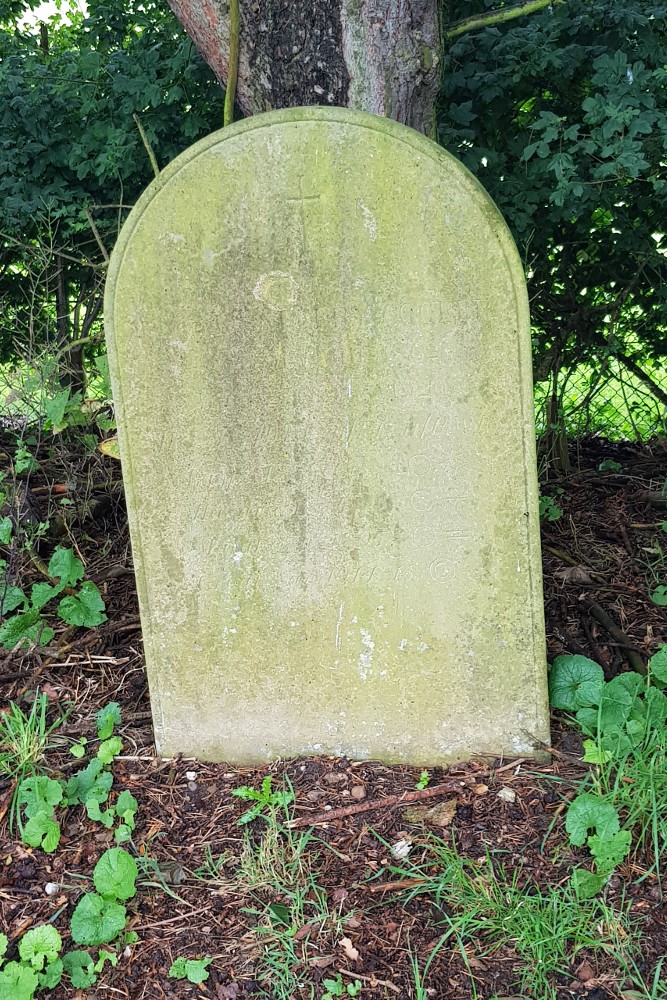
{"x": 602, "y": 559}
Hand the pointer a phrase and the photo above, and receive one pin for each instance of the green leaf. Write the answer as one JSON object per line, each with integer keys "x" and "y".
{"x": 575, "y": 682}
{"x": 656, "y": 705}
{"x": 55, "y": 410}
{"x": 103, "y": 957}
{"x": 12, "y": 598}
{"x": 85, "y": 608}
{"x": 78, "y": 749}
{"x": 93, "y": 811}
{"x": 65, "y": 566}
{"x": 126, "y": 804}
{"x": 658, "y": 667}
{"x": 50, "y": 978}
{"x": 109, "y": 749}
{"x": 115, "y": 874}
{"x": 26, "y": 626}
{"x": 6, "y": 528}
{"x": 40, "y": 945}
{"x": 615, "y": 704}
{"x": 590, "y": 812}
{"x": 96, "y": 920}
{"x": 588, "y": 720}
{"x": 192, "y": 969}
{"x": 42, "y": 831}
{"x": 123, "y": 833}
{"x": 4, "y": 944}
{"x": 609, "y": 851}
{"x": 659, "y": 596}
{"x": 93, "y": 782}
{"x": 39, "y": 794}
{"x": 593, "y": 754}
{"x": 17, "y": 982}
{"x": 80, "y": 968}
{"x": 42, "y": 593}
{"x": 106, "y": 719}
{"x": 586, "y": 884}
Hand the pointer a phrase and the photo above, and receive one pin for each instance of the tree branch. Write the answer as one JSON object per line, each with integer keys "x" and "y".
{"x": 500, "y": 16}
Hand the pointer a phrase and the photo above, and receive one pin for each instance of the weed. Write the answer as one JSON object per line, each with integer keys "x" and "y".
{"x": 23, "y": 742}
{"x": 483, "y": 907}
{"x": 424, "y": 779}
{"x": 264, "y": 798}
{"x": 549, "y": 509}
{"x": 192, "y": 969}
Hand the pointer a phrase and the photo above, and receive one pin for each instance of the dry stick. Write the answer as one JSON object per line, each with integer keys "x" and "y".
{"x": 96, "y": 234}
{"x": 634, "y": 658}
{"x": 386, "y": 803}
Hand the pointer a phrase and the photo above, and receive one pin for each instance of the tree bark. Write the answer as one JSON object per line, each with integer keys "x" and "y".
{"x": 373, "y": 55}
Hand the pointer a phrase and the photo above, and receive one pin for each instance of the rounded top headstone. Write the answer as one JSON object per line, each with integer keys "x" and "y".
{"x": 319, "y": 346}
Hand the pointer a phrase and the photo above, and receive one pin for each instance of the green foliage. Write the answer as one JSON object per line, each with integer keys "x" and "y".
{"x": 337, "y": 988}
{"x": 624, "y": 722}
{"x": 96, "y": 920}
{"x": 192, "y": 969}
{"x": 85, "y": 607}
{"x": 424, "y": 779}
{"x": 264, "y": 798}
{"x": 563, "y": 117}
{"x": 549, "y": 509}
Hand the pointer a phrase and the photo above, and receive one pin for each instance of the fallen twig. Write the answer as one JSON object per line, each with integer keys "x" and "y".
{"x": 326, "y": 816}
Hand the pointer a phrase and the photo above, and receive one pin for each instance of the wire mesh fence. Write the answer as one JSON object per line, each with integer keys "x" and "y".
{"x": 609, "y": 401}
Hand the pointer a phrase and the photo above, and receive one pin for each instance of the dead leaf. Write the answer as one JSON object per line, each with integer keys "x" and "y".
{"x": 228, "y": 992}
{"x": 575, "y": 575}
{"x": 352, "y": 922}
{"x": 584, "y": 972}
{"x": 323, "y": 962}
{"x": 358, "y": 792}
{"x": 349, "y": 949}
{"x": 480, "y": 789}
{"x": 507, "y": 794}
{"x": 110, "y": 447}
{"x": 335, "y": 778}
{"x": 440, "y": 814}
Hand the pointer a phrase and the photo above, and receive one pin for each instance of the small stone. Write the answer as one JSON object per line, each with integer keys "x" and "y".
{"x": 190, "y": 775}
{"x": 192, "y": 786}
{"x": 507, "y": 794}
{"x": 358, "y": 792}
{"x": 51, "y": 888}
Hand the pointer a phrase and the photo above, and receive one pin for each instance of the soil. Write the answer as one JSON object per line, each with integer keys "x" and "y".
{"x": 603, "y": 556}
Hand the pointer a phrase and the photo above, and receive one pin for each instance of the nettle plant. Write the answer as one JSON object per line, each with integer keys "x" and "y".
{"x": 623, "y": 721}
{"x": 100, "y": 916}
{"x": 81, "y": 606}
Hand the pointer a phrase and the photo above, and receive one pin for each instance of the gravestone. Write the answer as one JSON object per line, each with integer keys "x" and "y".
{"x": 319, "y": 344}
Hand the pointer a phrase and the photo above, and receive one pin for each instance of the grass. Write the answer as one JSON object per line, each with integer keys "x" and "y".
{"x": 482, "y": 910}
{"x": 24, "y": 740}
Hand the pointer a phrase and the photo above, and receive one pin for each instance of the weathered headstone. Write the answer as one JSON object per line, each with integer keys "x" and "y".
{"x": 319, "y": 343}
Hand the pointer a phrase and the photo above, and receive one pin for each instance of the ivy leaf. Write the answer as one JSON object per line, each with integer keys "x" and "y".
{"x": 106, "y": 719}
{"x": 39, "y": 794}
{"x": 575, "y": 682}
{"x": 39, "y": 945}
{"x": 115, "y": 874}
{"x": 80, "y": 968}
{"x": 658, "y": 667}
{"x": 65, "y": 567}
{"x": 96, "y": 920}
{"x": 85, "y": 608}
{"x": 590, "y": 812}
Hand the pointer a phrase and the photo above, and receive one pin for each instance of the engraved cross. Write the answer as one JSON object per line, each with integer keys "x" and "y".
{"x": 301, "y": 200}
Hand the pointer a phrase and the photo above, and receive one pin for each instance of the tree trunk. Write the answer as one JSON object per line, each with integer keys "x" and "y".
{"x": 370, "y": 55}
